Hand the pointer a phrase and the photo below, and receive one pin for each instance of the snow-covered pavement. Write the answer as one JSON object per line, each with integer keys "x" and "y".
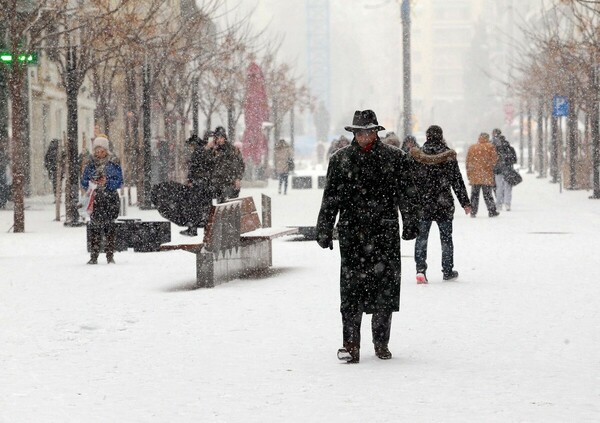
{"x": 515, "y": 339}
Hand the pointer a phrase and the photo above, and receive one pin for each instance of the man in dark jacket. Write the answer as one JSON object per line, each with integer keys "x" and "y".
{"x": 197, "y": 203}
{"x": 53, "y": 163}
{"x": 507, "y": 157}
{"x": 367, "y": 183}
{"x": 228, "y": 168}
{"x": 435, "y": 183}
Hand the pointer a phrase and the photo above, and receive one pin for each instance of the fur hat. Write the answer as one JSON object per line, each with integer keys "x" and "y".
{"x": 100, "y": 142}
{"x": 364, "y": 120}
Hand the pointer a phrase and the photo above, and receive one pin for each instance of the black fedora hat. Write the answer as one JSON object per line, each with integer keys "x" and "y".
{"x": 364, "y": 120}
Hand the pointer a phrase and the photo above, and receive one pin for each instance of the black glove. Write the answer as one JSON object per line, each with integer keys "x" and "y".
{"x": 410, "y": 232}
{"x": 325, "y": 242}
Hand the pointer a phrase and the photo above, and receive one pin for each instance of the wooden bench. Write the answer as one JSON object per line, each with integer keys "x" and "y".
{"x": 235, "y": 242}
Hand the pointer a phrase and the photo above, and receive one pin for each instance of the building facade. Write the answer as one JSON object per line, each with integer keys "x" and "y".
{"x": 462, "y": 53}
{"x": 48, "y": 119}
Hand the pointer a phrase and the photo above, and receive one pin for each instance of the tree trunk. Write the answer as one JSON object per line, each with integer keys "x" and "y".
{"x": 540, "y": 137}
{"x": 529, "y": 141}
{"x": 195, "y": 116}
{"x": 595, "y": 132}
{"x": 521, "y": 131}
{"x": 276, "y": 121}
{"x": 72, "y": 184}
{"x": 292, "y": 130}
{"x": 18, "y": 170}
{"x": 554, "y": 170}
{"x": 231, "y": 123}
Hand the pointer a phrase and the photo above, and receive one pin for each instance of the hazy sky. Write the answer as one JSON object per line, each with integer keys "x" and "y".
{"x": 365, "y": 51}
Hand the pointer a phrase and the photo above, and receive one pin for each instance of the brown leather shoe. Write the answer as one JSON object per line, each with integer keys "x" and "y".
{"x": 383, "y": 352}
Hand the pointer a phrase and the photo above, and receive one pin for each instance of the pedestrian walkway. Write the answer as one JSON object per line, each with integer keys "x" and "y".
{"x": 515, "y": 338}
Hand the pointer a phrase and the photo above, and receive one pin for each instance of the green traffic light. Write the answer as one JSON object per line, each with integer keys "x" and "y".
{"x": 7, "y": 58}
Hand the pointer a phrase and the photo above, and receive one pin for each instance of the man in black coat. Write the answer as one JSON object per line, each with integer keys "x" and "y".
{"x": 53, "y": 164}
{"x": 196, "y": 203}
{"x": 367, "y": 183}
{"x": 228, "y": 168}
{"x": 507, "y": 157}
{"x": 436, "y": 183}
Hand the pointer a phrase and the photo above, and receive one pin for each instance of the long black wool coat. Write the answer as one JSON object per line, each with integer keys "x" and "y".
{"x": 367, "y": 189}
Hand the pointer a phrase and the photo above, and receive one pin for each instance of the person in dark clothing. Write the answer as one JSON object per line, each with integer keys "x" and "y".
{"x": 5, "y": 186}
{"x": 198, "y": 180}
{"x": 367, "y": 183}
{"x": 52, "y": 163}
{"x": 392, "y": 139}
{"x": 104, "y": 171}
{"x": 409, "y": 143}
{"x": 283, "y": 158}
{"x": 436, "y": 183}
{"x": 228, "y": 168}
{"x": 507, "y": 157}
{"x": 496, "y": 134}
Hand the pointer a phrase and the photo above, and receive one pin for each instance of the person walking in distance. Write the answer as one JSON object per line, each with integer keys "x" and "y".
{"x": 283, "y": 159}
{"x": 54, "y": 161}
{"x": 366, "y": 184}
{"x": 104, "y": 171}
{"x": 507, "y": 157}
{"x": 496, "y": 134}
{"x": 481, "y": 159}
{"x": 435, "y": 183}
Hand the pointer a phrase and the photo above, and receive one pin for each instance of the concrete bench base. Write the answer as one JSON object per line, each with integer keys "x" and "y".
{"x": 234, "y": 243}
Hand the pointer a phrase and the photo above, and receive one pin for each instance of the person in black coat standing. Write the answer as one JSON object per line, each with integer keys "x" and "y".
{"x": 436, "y": 183}
{"x": 367, "y": 183}
{"x": 228, "y": 168}
{"x": 201, "y": 167}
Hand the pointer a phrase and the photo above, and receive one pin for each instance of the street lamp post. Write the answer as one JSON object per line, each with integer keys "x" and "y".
{"x": 406, "y": 66}
{"x": 146, "y": 135}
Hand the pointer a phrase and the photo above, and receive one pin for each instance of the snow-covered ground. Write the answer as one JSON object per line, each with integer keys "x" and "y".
{"x": 515, "y": 339}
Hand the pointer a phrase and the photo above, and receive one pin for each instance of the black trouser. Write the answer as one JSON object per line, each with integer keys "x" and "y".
{"x": 487, "y": 197}
{"x": 445, "y": 229}
{"x": 381, "y": 325}
{"x": 52, "y": 176}
{"x": 96, "y": 231}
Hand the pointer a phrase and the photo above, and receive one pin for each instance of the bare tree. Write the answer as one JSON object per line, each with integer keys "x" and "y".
{"x": 27, "y": 26}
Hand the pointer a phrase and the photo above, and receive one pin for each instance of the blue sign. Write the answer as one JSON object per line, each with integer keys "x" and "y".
{"x": 560, "y": 106}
